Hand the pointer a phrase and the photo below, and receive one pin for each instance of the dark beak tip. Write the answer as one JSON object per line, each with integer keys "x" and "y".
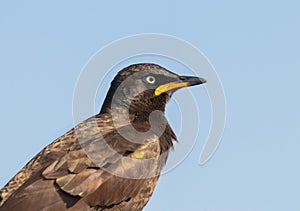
{"x": 202, "y": 80}
{"x": 192, "y": 80}
{"x": 197, "y": 81}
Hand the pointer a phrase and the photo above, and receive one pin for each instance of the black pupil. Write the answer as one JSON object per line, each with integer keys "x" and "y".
{"x": 151, "y": 79}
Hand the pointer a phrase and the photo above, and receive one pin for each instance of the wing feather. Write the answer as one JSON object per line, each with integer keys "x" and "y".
{"x": 63, "y": 177}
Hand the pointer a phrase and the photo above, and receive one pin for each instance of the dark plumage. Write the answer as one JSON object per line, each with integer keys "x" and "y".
{"x": 112, "y": 160}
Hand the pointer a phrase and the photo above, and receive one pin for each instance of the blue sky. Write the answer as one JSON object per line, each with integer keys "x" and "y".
{"x": 254, "y": 47}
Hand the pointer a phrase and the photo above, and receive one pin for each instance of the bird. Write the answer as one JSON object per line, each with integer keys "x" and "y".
{"x": 110, "y": 161}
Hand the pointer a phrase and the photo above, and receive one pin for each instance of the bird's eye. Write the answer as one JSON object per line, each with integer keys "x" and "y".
{"x": 150, "y": 79}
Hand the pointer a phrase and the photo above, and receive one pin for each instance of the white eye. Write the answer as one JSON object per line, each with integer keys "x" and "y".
{"x": 150, "y": 79}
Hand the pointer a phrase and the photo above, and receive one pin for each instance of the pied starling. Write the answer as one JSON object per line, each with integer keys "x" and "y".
{"x": 111, "y": 161}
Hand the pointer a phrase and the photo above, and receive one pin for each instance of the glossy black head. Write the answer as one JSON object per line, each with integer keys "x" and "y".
{"x": 145, "y": 88}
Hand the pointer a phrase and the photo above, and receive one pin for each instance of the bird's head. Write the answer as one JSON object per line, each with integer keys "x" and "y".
{"x": 145, "y": 88}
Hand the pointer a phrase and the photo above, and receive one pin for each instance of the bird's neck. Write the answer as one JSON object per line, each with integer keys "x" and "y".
{"x": 141, "y": 115}
{"x": 138, "y": 108}
{"x": 123, "y": 112}
{"x": 138, "y": 116}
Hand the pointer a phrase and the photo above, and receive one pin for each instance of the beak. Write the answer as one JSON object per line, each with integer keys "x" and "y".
{"x": 183, "y": 81}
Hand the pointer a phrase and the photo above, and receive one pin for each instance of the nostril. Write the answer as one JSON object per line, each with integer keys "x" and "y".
{"x": 182, "y": 77}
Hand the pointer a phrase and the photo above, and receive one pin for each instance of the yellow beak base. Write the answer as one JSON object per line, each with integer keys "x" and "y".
{"x": 169, "y": 86}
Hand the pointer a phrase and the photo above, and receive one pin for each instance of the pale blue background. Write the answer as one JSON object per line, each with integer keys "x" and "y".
{"x": 253, "y": 45}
